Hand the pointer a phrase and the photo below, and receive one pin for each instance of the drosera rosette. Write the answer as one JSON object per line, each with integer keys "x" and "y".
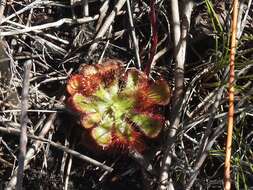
{"x": 118, "y": 108}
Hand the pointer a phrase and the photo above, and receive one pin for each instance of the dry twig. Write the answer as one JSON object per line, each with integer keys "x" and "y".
{"x": 2, "y": 7}
{"x": 227, "y": 177}
{"x": 109, "y": 20}
{"x": 58, "y": 146}
{"x": 49, "y": 25}
{"x": 135, "y": 41}
{"x": 24, "y": 118}
{"x": 34, "y": 149}
{"x": 180, "y": 36}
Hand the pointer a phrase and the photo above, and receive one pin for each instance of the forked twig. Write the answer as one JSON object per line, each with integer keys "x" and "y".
{"x": 227, "y": 177}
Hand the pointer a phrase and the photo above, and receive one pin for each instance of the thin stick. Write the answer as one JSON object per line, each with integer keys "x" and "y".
{"x": 227, "y": 177}
{"x": 2, "y": 7}
{"x": 106, "y": 24}
{"x": 102, "y": 13}
{"x": 34, "y": 148}
{"x": 40, "y": 31}
{"x": 49, "y": 25}
{"x": 24, "y": 118}
{"x": 180, "y": 37}
{"x": 27, "y": 7}
{"x": 244, "y": 21}
{"x": 135, "y": 41}
{"x": 165, "y": 181}
{"x": 68, "y": 170}
{"x": 60, "y": 147}
{"x": 86, "y": 8}
{"x": 203, "y": 153}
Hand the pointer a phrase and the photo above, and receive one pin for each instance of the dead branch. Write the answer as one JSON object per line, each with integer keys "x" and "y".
{"x": 23, "y": 118}
{"x": 180, "y": 37}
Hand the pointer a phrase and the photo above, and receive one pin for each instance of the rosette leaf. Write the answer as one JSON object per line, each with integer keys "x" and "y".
{"x": 159, "y": 92}
{"x": 85, "y": 85}
{"x": 82, "y": 103}
{"x": 107, "y": 93}
{"x": 102, "y": 134}
{"x": 134, "y": 80}
{"x": 122, "y": 106}
{"x": 156, "y": 93}
{"x": 91, "y": 120}
{"x": 125, "y": 136}
{"x": 149, "y": 124}
{"x": 74, "y": 84}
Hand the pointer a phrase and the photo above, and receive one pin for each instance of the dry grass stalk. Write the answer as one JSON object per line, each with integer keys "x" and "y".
{"x": 227, "y": 176}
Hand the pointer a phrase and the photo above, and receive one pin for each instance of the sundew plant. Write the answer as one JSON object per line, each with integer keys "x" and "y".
{"x": 118, "y": 107}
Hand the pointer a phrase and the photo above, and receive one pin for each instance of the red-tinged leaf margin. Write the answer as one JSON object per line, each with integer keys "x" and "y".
{"x": 88, "y": 70}
{"x": 133, "y": 141}
{"x": 74, "y": 84}
{"x": 152, "y": 94}
{"x": 80, "y": 103}
{"x": 134, "y": 79}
